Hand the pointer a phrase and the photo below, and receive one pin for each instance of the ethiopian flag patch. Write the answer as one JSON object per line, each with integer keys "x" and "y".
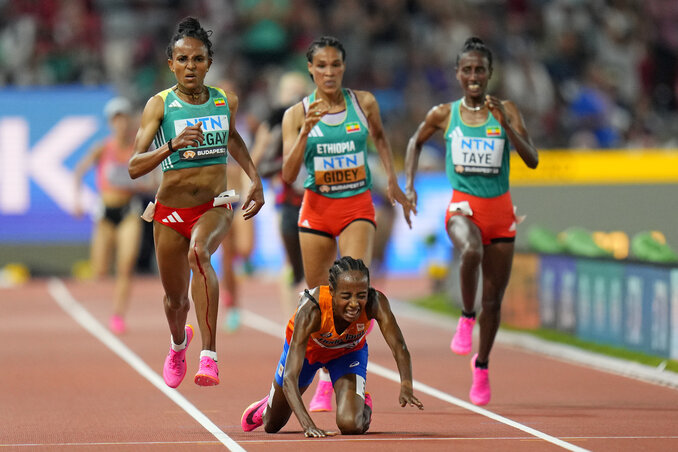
{"x": 492, "y": 131}
{"x": 219, "y": 102}
{"x": 353, "y": 127}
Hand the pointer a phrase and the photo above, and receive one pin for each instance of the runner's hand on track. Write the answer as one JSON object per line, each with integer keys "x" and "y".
{"x": 407, "y": 398}
{"x": 315, "y": 432}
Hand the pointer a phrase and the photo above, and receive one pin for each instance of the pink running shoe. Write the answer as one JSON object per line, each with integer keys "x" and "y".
{"x": 117, "y": 324}
{"x": 368, "y": 399}
{"x": 480, "y": 388}
{"x": 369, "y": 328}
{"x": 208, "y": 373}
{"x": 368, "y": 402}
{"x": 322, "y": 399}
{"x": 253, "y": 416}
{"x": 463, "y": 337}
{"x": 226, "y": 298}
{"x": 174, "y": 370}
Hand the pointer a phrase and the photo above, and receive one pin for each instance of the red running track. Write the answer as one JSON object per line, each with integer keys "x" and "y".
{"x": 68, "y": 384}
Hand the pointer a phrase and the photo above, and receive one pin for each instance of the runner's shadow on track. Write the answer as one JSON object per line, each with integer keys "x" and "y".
{"x": 401, "y": 433}
{"x": 398, "y": 434}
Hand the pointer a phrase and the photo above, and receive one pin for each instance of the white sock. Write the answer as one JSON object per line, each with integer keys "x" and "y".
{"x": 324, "y": 375}
{"x": 209, "y": 353}
{"x": 178, "y": 347}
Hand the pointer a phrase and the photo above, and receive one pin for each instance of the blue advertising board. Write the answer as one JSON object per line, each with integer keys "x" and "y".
{"x": 43, "y": 133}
{"x": 600, "y": 300}
{"x": 629, "y": 305}
{"x": 558, "y": 292}
{"x": 647, "y": 309}
{"x": 549, "y": 287}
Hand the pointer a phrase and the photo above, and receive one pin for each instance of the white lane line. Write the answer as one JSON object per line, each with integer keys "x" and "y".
{"x": 70, "y": 305}
{"x": 267, "y": 326}
{"x": 421, "y": 387}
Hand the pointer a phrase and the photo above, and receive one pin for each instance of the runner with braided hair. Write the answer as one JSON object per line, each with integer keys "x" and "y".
{"x": 329, "y": 330}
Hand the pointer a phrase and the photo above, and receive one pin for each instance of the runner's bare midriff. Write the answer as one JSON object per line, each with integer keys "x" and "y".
{"x": 191, "y": 187}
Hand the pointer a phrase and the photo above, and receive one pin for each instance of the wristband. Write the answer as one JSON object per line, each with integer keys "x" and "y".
{"x": 169, "y": 146}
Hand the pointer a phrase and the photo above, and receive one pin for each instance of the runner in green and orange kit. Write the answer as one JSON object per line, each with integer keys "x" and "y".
{"x": 480, "y": 220}
{"x": 193, "y": 127}
{"x": 327, "y": 132}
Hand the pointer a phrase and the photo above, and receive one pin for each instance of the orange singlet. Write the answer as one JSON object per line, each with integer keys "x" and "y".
{"x": 112, "y": 172}
{"x": 325, "y": 344}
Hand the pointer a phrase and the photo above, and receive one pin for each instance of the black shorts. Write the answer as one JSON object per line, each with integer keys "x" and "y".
{"x": 115, "y": 215}
{"x": 289, "y": 216}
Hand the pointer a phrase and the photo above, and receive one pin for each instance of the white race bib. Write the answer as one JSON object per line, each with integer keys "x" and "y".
{"x": 477, "y": 154}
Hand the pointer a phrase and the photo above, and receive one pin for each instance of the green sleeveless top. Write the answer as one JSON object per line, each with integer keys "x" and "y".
{"x": 476, "y": 157}
{"x": 215, "y": 116}
{"x": 336, "y": 151}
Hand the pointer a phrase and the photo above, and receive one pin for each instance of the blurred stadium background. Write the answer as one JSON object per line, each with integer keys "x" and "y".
{"x": 596, "y": 80}
{"x": 587, "y": 75}
{"x": 591, "y": 74}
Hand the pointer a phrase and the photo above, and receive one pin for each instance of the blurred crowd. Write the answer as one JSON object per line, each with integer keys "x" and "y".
{"x": 585, "y": 73}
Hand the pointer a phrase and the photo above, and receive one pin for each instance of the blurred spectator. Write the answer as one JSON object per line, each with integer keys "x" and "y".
{"x": 663, "y": 58}
{"x": 529, "y": 83}
{"x": 619, "y": 49}
{"x": 592, "y": 111}
{"x": 264, "y": 37}
{"x": 117, "y": 230}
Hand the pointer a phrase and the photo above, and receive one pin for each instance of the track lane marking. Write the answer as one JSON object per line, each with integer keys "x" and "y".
{"x": 60, "y": 293}
{"x": 70, "y": 305}
{"x": 270, "y": 327}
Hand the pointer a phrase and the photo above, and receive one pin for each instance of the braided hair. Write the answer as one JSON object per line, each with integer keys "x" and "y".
{"x": 325, "y": 41}
{"x": 475, "y": 44}
{"x": 190, "y": 27}
{"x": 344, "y": 264}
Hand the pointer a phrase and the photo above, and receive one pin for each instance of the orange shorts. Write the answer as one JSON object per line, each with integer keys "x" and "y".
{"x": 183, "y": 219}
{"x": 495, "y": 217}
{"x": 329, "y": 216}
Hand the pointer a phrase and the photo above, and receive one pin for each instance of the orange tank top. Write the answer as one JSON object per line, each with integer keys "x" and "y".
{"x": 112, "y": 172}
{"x": 326, "y": 344}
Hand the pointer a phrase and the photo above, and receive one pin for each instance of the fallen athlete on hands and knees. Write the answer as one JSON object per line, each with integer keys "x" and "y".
{"x": 329, "y": 330}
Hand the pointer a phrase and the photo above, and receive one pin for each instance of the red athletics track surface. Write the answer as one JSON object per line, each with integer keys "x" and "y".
{"x": 63, "y": 388}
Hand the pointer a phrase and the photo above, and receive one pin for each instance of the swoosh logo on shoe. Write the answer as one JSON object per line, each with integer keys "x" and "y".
{"x": 250, "y": 417}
